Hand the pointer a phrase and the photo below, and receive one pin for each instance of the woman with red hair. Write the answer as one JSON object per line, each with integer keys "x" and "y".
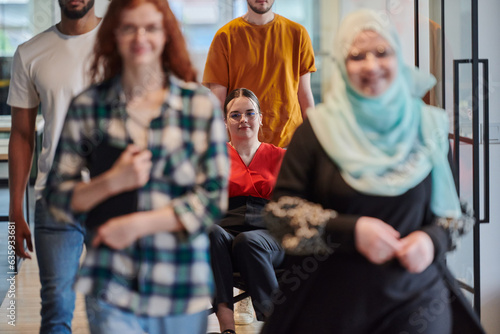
{"x": 142, "y": 161}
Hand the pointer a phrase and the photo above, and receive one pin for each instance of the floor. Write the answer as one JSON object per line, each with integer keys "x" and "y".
{"x": 4, "y": 268}
{"x": 27, "y": 307}
{"x": 27, "y": 304}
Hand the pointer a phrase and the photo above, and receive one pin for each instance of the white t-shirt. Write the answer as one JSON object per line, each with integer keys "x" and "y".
{"x": 50, "y": 69}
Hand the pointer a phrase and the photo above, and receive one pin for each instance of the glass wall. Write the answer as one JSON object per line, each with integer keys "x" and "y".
{"x": 15, "y": 28}
{"x": 200, "y": 20}
{"x": 14, "y": 24}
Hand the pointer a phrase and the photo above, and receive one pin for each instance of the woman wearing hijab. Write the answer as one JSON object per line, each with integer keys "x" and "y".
{"x": 365, "y": 199}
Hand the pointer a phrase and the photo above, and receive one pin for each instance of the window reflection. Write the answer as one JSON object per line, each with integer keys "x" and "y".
{"x": 200, "y": 20}
{"x": 14, "y": 30}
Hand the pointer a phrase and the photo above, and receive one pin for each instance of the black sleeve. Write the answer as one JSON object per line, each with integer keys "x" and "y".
{"x": 444, "y": 237}
{"x": 296, "y": 179}
{"x": 296, "y": 170}
{"x": 440, "y": 238}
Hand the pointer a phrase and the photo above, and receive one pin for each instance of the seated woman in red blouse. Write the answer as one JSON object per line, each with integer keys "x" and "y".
{"x": 240, "y": 242}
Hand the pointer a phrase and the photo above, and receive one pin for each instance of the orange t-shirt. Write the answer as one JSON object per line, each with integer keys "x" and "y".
{"x": 269, "y": 60}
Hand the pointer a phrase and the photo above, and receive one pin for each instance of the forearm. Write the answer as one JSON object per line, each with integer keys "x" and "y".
{"x": 89, "y": 194}
{"x": 121, "y": 232}
{"x": 20, "y": 164}
{"x": 220, "y": 93}
{"x": 19, "y": 169}
{"x": 305, "y": 96}
{"x": 160, "y": 220}
{"x": 306, "y": 102}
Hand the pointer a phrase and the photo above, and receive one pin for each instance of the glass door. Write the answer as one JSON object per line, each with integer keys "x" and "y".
{"x": 447, "y": 44}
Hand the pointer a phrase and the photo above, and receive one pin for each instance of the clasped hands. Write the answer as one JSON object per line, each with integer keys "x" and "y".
{"x": 379, "y": 242}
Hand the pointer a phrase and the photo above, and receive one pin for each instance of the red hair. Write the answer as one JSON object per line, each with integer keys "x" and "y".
{"x": 107, "y": 62}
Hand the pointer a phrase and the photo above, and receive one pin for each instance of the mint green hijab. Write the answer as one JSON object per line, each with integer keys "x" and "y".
{"x": 388, "y": 144}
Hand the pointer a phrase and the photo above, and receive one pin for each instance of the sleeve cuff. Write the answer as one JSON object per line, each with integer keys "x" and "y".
{"x": 339, "y": 231}
{"x": 440, "y": 240}
{"x": 186, "y": 216}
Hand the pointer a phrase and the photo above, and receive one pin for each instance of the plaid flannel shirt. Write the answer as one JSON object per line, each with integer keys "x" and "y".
{"x": 164, "y": 273}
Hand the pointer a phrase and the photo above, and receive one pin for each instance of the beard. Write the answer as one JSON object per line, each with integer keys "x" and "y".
{"x": 259, "y": 11}
{"x": 76, "y": 14}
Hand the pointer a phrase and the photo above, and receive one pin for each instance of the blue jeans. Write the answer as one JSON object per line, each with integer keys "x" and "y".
{"x": 105, "y": 318}
{"x": 58, "y": 250}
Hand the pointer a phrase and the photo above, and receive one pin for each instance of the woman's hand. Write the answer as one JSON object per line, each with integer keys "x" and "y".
{"x": 131, "y": 170}
{"x": 118, "y": 233}
{"x": 376, "y": 240}
{"x": 417, "y": 252}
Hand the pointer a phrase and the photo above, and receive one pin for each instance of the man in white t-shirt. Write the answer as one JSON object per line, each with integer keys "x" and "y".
{"x": 47, "y": 72}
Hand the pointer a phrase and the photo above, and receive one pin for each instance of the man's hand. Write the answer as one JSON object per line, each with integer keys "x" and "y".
{"x": 22, "y": 233}
{"x": 417, "y": 252}
{"x": 376, "y": 240}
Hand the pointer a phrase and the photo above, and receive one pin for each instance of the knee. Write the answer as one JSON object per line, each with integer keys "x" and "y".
{"x": 57, "y": 292}
{"x": 57, "y": 308}
{"x": 219, "y": 240}
{"x": 245, "y": 243}
{"x": 216, "y": 234}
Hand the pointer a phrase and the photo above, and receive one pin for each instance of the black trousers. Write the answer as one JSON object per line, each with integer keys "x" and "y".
{"x": 255, "y": 254}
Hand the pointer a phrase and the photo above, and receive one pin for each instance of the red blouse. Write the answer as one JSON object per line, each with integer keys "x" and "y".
{"x": 258, "y": 178}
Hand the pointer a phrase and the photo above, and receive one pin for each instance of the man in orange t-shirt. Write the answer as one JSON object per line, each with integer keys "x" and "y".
{"x": 273, "y": 57}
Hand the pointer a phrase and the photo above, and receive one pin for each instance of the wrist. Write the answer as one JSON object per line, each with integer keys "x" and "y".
{"x": 137, "y": 224}
{"x": 16, "y": 216}
{"x": 111, "y": 186}
{"x": 428, "y": 242}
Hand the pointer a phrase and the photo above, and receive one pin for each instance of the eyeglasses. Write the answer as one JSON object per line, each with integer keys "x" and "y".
{"x": 236, "y": 116}
{"x": 128, "y": 30}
